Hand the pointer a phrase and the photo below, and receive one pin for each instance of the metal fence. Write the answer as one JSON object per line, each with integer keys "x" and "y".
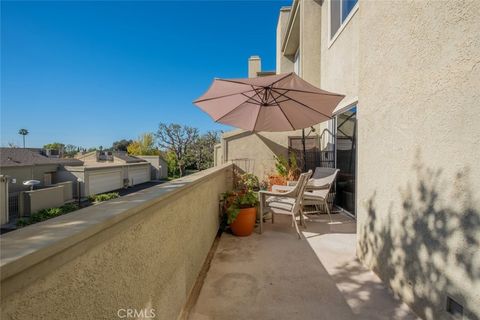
{"x": 13, "y": 204}
{"x": 314, "y": 158}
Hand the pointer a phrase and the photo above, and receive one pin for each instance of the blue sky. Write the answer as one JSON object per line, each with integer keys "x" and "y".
{"x": 90, "y": 73}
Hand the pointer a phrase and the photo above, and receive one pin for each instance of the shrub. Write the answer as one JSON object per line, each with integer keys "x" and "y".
{"x": 46, "y": 214}
{"x": 104, "y": 197}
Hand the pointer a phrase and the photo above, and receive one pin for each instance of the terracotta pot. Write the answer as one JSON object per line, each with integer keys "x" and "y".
{"x": 245, "y": 222}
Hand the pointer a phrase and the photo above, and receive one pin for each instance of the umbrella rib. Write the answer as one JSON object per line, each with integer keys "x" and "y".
{"x": 280, "y": 107}
{"x": 251, "y": 98}
{"x": 237, "y": 82}
{"x": 302, "y": 104}
{"x": 219, "y": 97}
{"x": 323, "y": 93}
{"x": 256, "y": 92}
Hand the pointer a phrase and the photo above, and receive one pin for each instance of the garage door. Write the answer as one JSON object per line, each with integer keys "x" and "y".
{"x": 105, "y": 181}
{"x": 139, "y": 175}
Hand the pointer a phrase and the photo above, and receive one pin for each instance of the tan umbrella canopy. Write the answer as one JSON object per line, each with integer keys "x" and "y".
{"x": 283, "y": 102}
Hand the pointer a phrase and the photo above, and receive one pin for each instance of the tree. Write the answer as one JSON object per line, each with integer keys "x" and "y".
{"x": 144, "y": 146}
{"x": 204, "y": 148}
{"x": 179, "y": 140}
{"x": 54, "y": 146}
{"x": 121, "y": 145}
{"x": 172, "y": 164}
{"x": 23, "y": 133}
{"x": 70, "y": 150}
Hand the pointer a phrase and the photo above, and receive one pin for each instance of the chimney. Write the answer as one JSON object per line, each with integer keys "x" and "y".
{"x": 254, "y": 66}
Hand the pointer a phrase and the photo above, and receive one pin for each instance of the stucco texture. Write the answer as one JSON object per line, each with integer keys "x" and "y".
{"x": 255, "y": 152}
{"x": 148, "y": 260}
{"x": 418, "y": 150}
{"x": 26, "y": 173}
{"x": 339, "y": 60}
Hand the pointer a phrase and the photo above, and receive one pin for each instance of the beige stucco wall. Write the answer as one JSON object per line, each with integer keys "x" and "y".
{"x": 140, "y": 251}
{"x": 419, "y": 220}
{"x": 67, "y": 190}
{"x": 340, "y": 58}
{"x": 283, "y": 64}
{"x": 37, "y": 200}
{"x": 310, "y": 40}
{"x": 159, "y": 166}
{"x": 26, "y": 173}
{"x": 255, "y": 152}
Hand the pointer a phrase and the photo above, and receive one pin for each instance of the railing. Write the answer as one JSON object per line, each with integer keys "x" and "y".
{"x": 143, "y": 251}
{"x": 315, "y": 158}
{"x": 13, "y": 206}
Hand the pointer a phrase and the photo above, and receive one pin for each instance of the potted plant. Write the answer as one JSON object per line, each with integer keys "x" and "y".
{"x": 241, "y": 205}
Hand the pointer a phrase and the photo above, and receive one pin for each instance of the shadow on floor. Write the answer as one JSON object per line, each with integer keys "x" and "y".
{"x": 276, "y": 276}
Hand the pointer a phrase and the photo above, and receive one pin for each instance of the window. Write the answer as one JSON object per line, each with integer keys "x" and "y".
{"x": 339, "y": 11}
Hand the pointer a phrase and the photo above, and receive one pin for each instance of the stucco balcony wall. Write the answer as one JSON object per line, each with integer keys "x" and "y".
{"x": 142, "y": 251}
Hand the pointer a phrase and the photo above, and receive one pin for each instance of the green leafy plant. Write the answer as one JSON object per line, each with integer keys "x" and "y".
{"x": 287, "y": 169}
{"x": 241, "y": 200}
{"x": 245, "y": 197}
{"x": 248, "y": 181}
{"x": 104, "y": 197}
{"x": 46, "y": 214}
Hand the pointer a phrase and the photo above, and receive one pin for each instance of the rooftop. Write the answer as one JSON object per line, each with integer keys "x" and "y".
{"x": 18, "y": 157}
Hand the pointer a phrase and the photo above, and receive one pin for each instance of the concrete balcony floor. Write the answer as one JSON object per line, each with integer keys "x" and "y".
{"x": 276, "y": 276}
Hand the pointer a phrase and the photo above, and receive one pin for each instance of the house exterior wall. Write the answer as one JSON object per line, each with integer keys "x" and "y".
{"x": 158, "y": 165}
{"x": 340, "y": 58}
{"x": 88, "y": 186}
{"x": 283, "y": 64}
{"x": 255, "y": 152}
{"x": 418, "y": 222}
{"x": 26, "y": 173}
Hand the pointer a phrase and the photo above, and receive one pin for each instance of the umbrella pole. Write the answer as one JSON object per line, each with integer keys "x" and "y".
{"x": 304, "y": 152}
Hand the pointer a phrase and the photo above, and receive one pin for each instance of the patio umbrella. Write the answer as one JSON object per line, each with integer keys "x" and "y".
{"x": 283, "y": 102}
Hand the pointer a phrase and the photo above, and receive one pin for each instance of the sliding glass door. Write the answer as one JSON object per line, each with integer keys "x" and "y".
{"x": 346, "y": 159}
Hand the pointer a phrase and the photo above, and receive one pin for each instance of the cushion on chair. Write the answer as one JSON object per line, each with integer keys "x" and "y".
{"x": 316, "y": 194}
{"x": 280, "y": 203}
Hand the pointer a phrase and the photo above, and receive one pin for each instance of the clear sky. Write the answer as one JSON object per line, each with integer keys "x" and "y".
{"x": 90, "y": 73}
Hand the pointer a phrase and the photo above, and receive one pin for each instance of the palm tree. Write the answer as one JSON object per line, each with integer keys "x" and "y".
{"x": 23, "y": 132}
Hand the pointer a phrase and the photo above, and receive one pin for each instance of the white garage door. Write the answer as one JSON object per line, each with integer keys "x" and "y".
{"x": 105, "y": 181}
{"x": 139, "y": 175}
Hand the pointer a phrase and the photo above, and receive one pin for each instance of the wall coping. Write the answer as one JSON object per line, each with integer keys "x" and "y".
{"x": 23, "y": 248}
{"x": 45, "y": 189}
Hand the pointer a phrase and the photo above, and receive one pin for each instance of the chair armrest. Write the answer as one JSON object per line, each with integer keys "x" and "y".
{"x": 312, "y": 187}
{"x": 289, "y": 194}
{"x": 283, "y": 189}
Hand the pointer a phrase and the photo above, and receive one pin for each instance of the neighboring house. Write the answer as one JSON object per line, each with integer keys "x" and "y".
{"x": 405, "y": 137}
{"x": 18, "y": 165}
{"x": 104, "y": 171}
{"x": 159, "y": 167}
{"x": 30, "y": 164}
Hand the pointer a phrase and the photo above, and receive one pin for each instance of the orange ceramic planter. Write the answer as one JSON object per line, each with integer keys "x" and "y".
{"x": 245, "y": 222}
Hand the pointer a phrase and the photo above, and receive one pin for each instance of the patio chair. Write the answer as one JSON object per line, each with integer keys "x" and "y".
{"x": 288, "y": 203}
{"x": 317, "y": 189}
